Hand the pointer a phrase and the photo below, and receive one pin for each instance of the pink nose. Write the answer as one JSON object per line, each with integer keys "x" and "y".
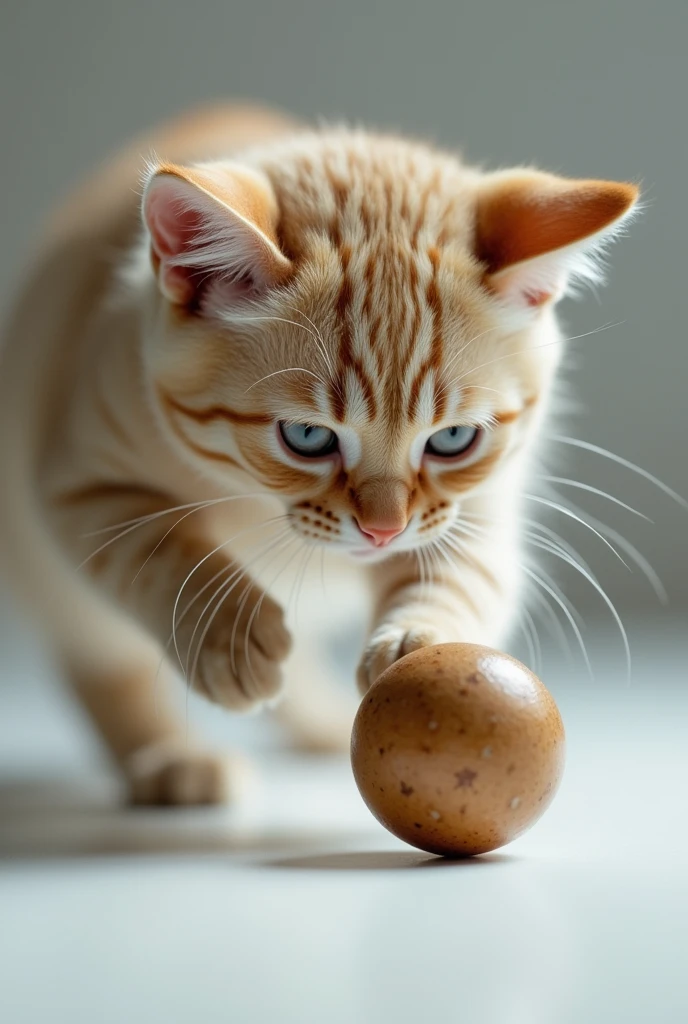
{"x": 380, "y": 538}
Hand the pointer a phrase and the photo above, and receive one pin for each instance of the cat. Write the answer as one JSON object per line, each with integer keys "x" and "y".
{"x": 245, "y": 342}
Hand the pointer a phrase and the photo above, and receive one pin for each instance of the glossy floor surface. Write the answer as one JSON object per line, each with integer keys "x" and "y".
{"x": 297, "y": 907}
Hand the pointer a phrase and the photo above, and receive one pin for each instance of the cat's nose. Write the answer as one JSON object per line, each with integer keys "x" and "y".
{"x": 380, "y": 538}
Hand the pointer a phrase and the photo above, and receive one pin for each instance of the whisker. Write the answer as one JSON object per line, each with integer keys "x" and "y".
{"x": 156, "y": 515}
{"x": 294, "y": 323}
{"x": 607, "y": 600}
{"x": 553, "y": 618}
{"x": 535, "y": 648}
{"x": 190, "y": 677}
{"x": 558, "y": 341}
{"x": 445, "y": 552}
{"x": 228, "y": 586}
{"x": 219, "y": 547}
{"x": 572, "y": 622}
{"x": 223, "y": 570}
{"x": 634, "y": 554}
{"x": 587, "y": 446}
{"x": 241, "y": 604}
{"x": 259, "y": 604}
{"x": 428, "y": 568}
{"x": 594, "y": 490}
{"x": 560, "y": 553}
{"x": 553, "y": 594}
{"x": 289, "y": 369}
{"x": 302, "y": 578}
{"x": 456, "y": 355}
{"x": 167, "y": 511}
{"x": 421, "y": 572}
{"x": 323, "y": 347}
{"x": 292, "y": 592}
{"x": 434, "y": 557}
{"x": 556, "y": 538}
{"x": 554, "y": 546}
{"x": 579, "y": 519}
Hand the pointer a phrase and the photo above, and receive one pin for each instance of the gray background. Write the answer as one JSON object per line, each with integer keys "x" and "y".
{"x": 586, "y": 88}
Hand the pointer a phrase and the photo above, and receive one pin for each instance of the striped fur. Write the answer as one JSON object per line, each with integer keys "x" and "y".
{"x": 365, "y": 283}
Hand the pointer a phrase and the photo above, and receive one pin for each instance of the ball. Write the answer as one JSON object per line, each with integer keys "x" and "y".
{"x": 457, "y": 749}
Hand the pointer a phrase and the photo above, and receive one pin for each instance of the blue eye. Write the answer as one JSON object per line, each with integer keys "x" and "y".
{"x": 307, "y": 440}
{"x": 452, "y": 441}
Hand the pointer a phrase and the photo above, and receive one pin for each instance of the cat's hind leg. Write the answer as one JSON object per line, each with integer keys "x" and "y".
{"x": 126, "y": 696}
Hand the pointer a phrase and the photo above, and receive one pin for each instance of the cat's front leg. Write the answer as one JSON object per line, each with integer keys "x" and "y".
{"x": 168, "y": 572}
{"x": 464, "y": 602}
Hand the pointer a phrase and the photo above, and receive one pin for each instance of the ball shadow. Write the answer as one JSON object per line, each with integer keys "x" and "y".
{"x": 382, "y": 860}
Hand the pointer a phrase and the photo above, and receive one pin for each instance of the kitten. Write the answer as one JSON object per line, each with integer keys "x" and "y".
{"x": 317, "y": 341}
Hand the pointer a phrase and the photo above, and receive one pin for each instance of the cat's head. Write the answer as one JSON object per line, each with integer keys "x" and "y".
{"x": 363, "y": 325}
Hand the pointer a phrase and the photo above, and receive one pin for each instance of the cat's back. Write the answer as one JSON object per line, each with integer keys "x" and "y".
{"x": 59, "y": 321}
{"x": 105, "y": 208}
{"x": 84, "y": 242}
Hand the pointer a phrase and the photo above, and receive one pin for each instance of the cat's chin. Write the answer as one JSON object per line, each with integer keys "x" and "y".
{"x": 372, "y": 555}
{"x": 369, "y": 554}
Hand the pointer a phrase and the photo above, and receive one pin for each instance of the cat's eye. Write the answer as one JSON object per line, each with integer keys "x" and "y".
{"x": 307, "y": 440}
{"x": 452, "y": 441}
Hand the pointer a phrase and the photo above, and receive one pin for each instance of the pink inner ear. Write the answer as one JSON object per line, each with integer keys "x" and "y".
{"x": 208, "y": 247}
{"x": 173, "y": 228}
{"x": 175, "y": 231}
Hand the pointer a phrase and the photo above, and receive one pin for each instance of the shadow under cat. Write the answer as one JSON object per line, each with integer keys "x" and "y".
{"x": 43, "y": 817}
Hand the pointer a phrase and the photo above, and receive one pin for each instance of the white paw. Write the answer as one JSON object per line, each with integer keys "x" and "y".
{"x": 390, "y": 642}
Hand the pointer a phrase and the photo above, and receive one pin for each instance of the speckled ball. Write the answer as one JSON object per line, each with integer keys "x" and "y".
{"x": 457, "y": 749}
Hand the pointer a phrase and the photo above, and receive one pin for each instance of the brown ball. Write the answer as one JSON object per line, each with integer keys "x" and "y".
{"x": 457, "y": 749}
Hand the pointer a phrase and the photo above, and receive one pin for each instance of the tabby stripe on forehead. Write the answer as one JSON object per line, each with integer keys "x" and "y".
{"x": 415, "y": 322}
{"x": 389, "y": 205}
{"x": 437, "y": 349}
{"x": 366, "y": 215}
{"x": 367, "y": 309}
{"x": 434, "y": 360}
{"x": 405, "y": 212}
{"x": 342, "y": 308}
{"x": 423, "y": 206}
{"x": 446, "y": 221}
{"x": 340, "y": 193}
{"x": 366, "y": 385}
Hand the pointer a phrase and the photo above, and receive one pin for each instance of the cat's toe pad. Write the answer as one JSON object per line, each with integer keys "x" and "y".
{"x": 391, "y": 642}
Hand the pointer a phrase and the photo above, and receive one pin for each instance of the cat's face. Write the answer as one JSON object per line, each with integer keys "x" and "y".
{"x": 363, "y": 326}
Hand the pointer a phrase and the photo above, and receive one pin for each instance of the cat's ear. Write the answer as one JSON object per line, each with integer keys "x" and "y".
{"x": 212, "y": 230}
{"x": 538, "y": 233}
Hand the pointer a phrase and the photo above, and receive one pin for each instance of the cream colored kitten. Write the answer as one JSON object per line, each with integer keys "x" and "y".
{"x": 298, "y": 342}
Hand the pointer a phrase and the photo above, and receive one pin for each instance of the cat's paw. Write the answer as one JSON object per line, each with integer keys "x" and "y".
{"x": 175, "y": 773}
{"x": 392, "y": 641}
{"x": 240, "y": 662}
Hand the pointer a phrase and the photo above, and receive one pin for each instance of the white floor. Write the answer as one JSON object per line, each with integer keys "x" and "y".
{"x": 297, "y": 907}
